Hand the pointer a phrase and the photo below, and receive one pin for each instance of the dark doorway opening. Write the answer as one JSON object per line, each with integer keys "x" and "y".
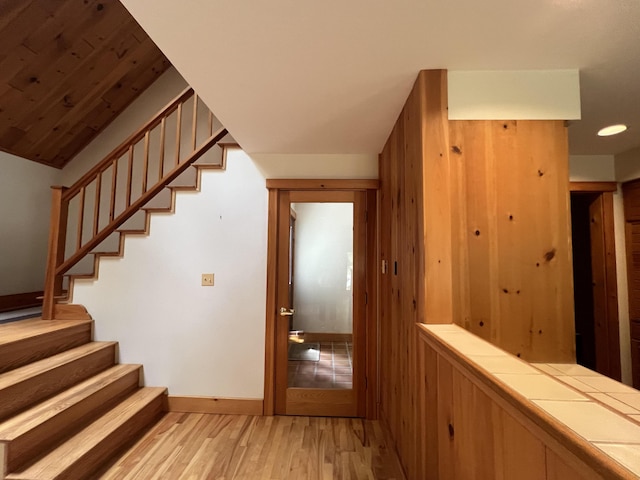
{"x": 594, "y": 278}
{"x": 583, "y": 280}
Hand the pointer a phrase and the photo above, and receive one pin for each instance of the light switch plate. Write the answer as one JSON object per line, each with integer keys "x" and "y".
{"x": 207, "y": 279}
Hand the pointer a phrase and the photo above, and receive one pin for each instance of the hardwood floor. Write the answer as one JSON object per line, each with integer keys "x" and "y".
{"x": 226, "y": 447}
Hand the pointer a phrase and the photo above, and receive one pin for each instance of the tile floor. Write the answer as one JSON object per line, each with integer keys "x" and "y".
{"x": 334, "y": 370}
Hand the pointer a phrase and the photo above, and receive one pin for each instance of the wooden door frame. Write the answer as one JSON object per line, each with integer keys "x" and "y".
{"x": 275, "y": 186}
{"x": 609, "y": 316}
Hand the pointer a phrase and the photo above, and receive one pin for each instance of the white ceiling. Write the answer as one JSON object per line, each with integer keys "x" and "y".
{"x": 331, "y": 76}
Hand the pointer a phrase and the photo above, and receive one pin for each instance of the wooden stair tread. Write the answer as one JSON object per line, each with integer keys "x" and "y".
{"x": 44, "y": 365}
{"x": 27, "y": 420}
{"x": 32, "y": 383}
{"x": 33, "y": 431}
{"x": 16, "y": 331}
{"x": 83, "y": 453}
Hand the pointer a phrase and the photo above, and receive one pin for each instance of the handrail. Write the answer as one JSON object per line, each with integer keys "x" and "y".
{"x": 95, "y": 216}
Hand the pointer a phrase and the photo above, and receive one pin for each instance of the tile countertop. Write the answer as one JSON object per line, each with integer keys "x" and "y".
{"x": 601, "y": 410}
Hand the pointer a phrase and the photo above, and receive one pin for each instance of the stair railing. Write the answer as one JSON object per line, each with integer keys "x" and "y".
{"x": 87, "y": 213}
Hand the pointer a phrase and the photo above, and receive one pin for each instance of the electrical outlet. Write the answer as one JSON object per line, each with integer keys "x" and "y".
{"x": 207, "y": 279}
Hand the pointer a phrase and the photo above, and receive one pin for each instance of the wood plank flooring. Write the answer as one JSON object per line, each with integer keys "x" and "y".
{"x": 226, "y": 447}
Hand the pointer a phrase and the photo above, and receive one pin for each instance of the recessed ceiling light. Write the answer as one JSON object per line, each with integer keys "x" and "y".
{"x": 612, "y": 130}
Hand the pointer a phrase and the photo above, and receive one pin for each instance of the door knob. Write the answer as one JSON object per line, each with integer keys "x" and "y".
{"x": 285, "y": 312}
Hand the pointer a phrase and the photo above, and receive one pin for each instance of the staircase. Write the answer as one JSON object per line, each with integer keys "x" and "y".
{"x": 67, "y": 407}
{"x": 116, "y": 197}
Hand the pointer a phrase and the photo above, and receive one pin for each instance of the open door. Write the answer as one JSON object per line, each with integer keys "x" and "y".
{"x": 595, "y": 287}
{"x": 321, "y": 326}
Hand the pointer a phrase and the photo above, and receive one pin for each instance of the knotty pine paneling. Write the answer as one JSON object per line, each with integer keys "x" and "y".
{"x": 474, "y": 229}
{"x": 480, "y": 435}
{"x": 67, "y": 69}
{"x": 514, "y": 275}
{"x": 416, "y": 287}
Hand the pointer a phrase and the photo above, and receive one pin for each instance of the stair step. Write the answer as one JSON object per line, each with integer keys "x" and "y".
{"x": 84, "y": 453}
{"x": 30, "y": 384}
{"x": 188, "y": 180}
{"x": 34, "y": 430}
{"x": 27, "y": 341}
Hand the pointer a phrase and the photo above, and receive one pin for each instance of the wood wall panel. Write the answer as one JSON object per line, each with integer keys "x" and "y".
{"x": 414, "y": 199}
{"x": 514, "y": 235}
{"x": 482, "y": 434}
{"x": 474, "y": 229}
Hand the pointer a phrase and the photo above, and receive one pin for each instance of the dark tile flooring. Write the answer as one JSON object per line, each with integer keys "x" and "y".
{"x": 334, "y": 370}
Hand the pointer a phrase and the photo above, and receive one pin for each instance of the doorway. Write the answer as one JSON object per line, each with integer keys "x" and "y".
{"x": 321, "y": 324}
{"x": 594, "y": 278}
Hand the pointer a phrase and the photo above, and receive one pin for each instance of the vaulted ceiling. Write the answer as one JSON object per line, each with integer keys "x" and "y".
{"x": 67, "y": 69}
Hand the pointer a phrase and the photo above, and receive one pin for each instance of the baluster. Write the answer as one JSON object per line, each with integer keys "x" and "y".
{"x": 129, "y": 175}
{"x": 163, "y": 125}
{"x": 96, "y": 206}
{"x": 56, "y": 247}
{"x": 178, "y": 132}
{"x": 210, "y": 123}
{"x": 145, "y": 167}
{"x": 80, "y": 219}
{"x": 114, "y": 185}
{"x": 194, "y": 127}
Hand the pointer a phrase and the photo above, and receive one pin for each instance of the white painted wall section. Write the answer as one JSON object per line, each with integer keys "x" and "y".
{"x": 628, "y": 165}
{"x": 204, "y": 341}
{"x": 323, "y": 267}
{"x": 349, "y": 166}
{"x": 514, "y": 95}
{"x": 25, "y": 207}
{"x": 592, "y": 168}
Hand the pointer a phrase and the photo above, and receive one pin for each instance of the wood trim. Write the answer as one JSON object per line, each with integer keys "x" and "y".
{"x": 537, "y": 421}
{"x": 326, "y": 402}
{"x": 322, "y": 184}
{"x": 613, "y": 318}
{"x": 371, "y": 261}
{"x": 17, "y": 301}
{"x": 593, "y": 186}
{"x": 327, "y": 337}
{"x": 272, "y": 288}
{"x": 65, "y": 311}
{"x": 337, "y": 196}
{"x": 215, "y": 405}
{"x": 369, "y": 393}
{"x": 55, "y": 250}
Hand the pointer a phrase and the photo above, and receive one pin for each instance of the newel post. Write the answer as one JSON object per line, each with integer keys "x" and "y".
{"x": 55, "y": 256}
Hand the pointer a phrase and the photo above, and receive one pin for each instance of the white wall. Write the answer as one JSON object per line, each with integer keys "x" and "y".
{"x": 25, "y": 204}
{"x": 323, "y": 242}
{"x": 592, "y": 168}
{"x": 602, "y": 168}
{"x": 517, "y": 95}
{"x": 205, "y": 341}
{"x": 628, "y": 165}
{"x": 317, "y": 166}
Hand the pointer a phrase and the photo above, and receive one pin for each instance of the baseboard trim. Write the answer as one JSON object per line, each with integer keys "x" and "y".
{"x": 327, "y": 337}
{"x": 19, "y": 301}
{"x": 222, "y": 406}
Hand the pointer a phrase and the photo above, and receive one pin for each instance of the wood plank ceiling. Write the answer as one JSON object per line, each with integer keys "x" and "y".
{"x": 67, "y": 69}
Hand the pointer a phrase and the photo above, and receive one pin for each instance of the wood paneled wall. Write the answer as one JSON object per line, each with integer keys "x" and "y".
{"x": 474, "y": 229}
{"x": 470, "y": 427}
{"x": 415, "y": 249}
{"x": 514, "y": 283}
